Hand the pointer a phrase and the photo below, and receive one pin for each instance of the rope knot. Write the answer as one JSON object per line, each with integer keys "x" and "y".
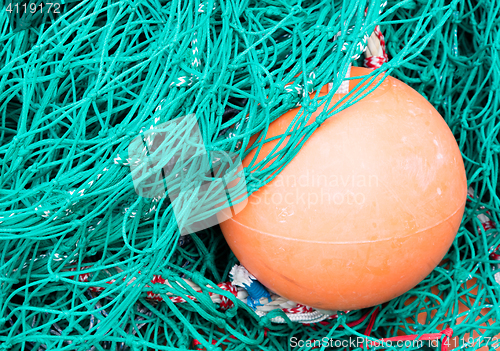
{"x": 92, "y": 94}
{"x": 61, "y": 72}
{"x": 342, "y": 318}
{"x": 273, "y": 11}
{"x": 36, "y": 49}
{"x": 486, "y": 170}
{"x": 296, "y": 9}
{"x": 130, "y": 340}
{"x": 312, "y": 107}
{"x": 6, "y": 345}
{"x": 320, "y": 119}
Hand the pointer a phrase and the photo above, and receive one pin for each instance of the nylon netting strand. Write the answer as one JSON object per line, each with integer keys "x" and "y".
{"x": 79, "y": 249}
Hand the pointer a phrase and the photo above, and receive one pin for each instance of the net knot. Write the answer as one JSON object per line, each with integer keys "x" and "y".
{"x": 6, "y": 346}
{"x": 82, "y": 243}
{"x": 456, "y": 17}
{"x": 296, "y": 9}
{"x": 92, "y": 94}
{"x": 264, "y": 321}
{"x": 312, "y": 107}
{"x": 36, "y": 49}
{"x": 442, "y": 287}
{"x": 119, "y": 131}
{"x": 318, "y": 29}
{"x": 155, "y": 289}
{"x": 273, "y": 11}
{"x": 210, "y": 257}
{"x": 64, "y": 248}
{"x": 342, "y": 318}
{"x": 320, "y": 119}
{"x": 131, "y": 341}
{"x": 23, "y": 152}
{"x": 61, "y": 72}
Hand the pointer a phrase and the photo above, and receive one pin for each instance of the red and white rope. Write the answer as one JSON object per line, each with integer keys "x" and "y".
{"x": 375, "y": 54}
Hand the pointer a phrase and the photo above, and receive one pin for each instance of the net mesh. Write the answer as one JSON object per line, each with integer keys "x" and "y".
{"x": 80, "y": 249}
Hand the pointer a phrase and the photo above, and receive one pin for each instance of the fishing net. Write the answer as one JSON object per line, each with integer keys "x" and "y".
{"x": 90, "y": 260}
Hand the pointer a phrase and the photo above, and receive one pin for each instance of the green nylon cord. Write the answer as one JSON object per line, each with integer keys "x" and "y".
{"x": 77, "y": 88}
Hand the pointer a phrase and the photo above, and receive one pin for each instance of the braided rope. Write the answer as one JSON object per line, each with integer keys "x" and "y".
{"x": 294, "y": 311}
{"x": 375, "y": 54}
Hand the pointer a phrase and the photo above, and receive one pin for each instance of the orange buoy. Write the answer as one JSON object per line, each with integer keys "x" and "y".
{"x": 366, "y": 209}
{"x": 473, "y": 339}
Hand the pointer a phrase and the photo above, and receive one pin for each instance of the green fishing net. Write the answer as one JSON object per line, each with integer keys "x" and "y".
{"x": 79, "y": 248}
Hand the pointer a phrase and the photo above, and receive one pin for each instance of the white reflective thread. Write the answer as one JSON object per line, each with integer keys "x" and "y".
{"x": 344, "y": 86}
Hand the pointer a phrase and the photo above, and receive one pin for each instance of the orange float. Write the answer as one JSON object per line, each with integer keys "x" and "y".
{"x": 366, "y": 209}
{"x": 458, "y": 340}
